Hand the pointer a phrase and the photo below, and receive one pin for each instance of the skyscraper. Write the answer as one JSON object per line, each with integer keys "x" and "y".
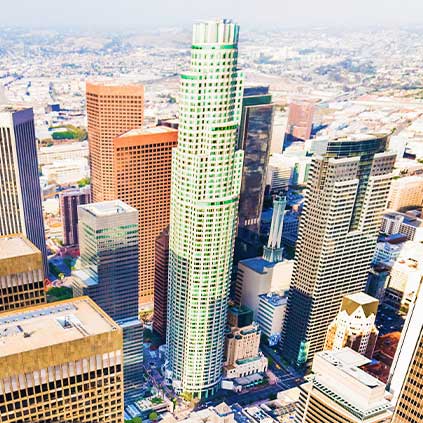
{"x": 300, "y": 121}
{"x": 20, "y": 191}
{"x": 406, "y": 371}
{"x": 112, "y": 109}
{"x": 61, "y": 362}
{"x": 69, "y": 202}
{"x": 347, "y": 194}
{"x": 255, "y": 135}
{"x": 409, "y": 407}
{"x": 161, "y": 271}
{"x": 142, "y": 161}
{"x": 206, "y": 179}
{"x": 21, "y": 273}
{"x": 108, "y": 240}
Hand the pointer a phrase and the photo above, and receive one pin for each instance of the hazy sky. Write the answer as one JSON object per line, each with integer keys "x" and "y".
{"x": 257, "y": 13}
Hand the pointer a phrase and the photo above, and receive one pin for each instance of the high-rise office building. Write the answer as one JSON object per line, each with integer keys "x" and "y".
{"x": 206, "y": 180}
{"x": 347, "y": 193}
{"x": 61, "y": 362}
{"x": 112, "y": 109}
{"x": 354, "y": 326}
{"x": 406, "y": 192}
{"x": 339, "y": 391}
{"x": 405, "y": 379}
{"x": 69, "y": 202}
{"x": 161, "y": 272}
{"x": 300, "y": 121}
{"x": 255, "y": 135}
{"x": 409, "y": 407}
{"x": 20, "y": 192}
{"x": 108, "y": 273}
{"x": 142, "y": 160}
{"x": 21, "y": 273}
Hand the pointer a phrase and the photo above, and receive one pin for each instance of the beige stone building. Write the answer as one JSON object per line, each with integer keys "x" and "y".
{"x": 21, "y": 273}
{"x": 354, "y": 326}
{"x": 242, "y": 353}
{"x": 61, "y": 362}
{"x": 406, "y": 192}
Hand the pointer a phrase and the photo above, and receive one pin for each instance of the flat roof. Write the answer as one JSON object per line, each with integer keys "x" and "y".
{"x": 13, "y": 107}
{"x": 258, "y": 264}
{"x": 18, "y": 254}
{"x": 148, "y": 131}
{"x": 16, "y": 246}
{"x": 274, "y": 299}
{"x": 108, "y": 208}
{"x": 51, "y": 324}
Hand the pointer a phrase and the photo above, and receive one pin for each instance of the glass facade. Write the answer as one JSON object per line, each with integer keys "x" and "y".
{"x": 206, "y": 179}
{"x": 254, "y": 139}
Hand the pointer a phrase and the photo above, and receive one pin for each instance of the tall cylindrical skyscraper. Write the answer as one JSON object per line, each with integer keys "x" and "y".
{"x": 206, "y": 179}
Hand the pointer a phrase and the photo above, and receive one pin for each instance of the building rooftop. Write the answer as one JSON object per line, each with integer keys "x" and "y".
{"x": 42, "y": 326}
{"x": 274, "y": 299}
{"x": 408, "y": 218}
{"x": 349, "y": 362}
{"x": 18, "y": 254}
{"x": 108, "y": 208}
{"x": 351, "y": 302}
{"x": 11, "y": 108}
{"x": 148, "y": 131}
{"x": 258, "y": 264}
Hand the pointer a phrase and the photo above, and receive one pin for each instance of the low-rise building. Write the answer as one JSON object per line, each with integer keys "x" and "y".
{"x": 271, "y": 314}
{"x": 242, "y": 353}
{"x": 410, "y": 224}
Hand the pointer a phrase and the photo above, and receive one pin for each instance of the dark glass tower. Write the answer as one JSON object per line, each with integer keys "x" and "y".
{"x": 20, "y": 192}
{"x": 255, "y": 135}
{"x": 347, "y": 194}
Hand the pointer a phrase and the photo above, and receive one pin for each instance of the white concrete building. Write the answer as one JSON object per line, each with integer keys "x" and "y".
{"x": 64, "y": 151}
{"x": 340, "y": 391}
{"x": 257, "y": 276}
{"x": 66, "y": 171}
{"x": 271, "y": 314}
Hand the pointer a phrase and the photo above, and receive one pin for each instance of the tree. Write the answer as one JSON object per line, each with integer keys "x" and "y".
{"x": 153, "y": 416}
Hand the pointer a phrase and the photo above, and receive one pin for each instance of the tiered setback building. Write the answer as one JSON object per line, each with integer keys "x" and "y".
{"x": 347, "y": 193}
{"x": 142, "y": 160}
{"x": 20, "y": 192}
{"x": 354, "y": 326}
{"x": 61, "y": 362}
{"x": 340, "y": 391}
{"x": 242, "y": 353}
{"x": 206, "y": 179}
{"x": 112, "y": 109}
{"x": 69, "y": 202}
{"x": 254, "y": 139}
{"x": 21, "y": 273}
